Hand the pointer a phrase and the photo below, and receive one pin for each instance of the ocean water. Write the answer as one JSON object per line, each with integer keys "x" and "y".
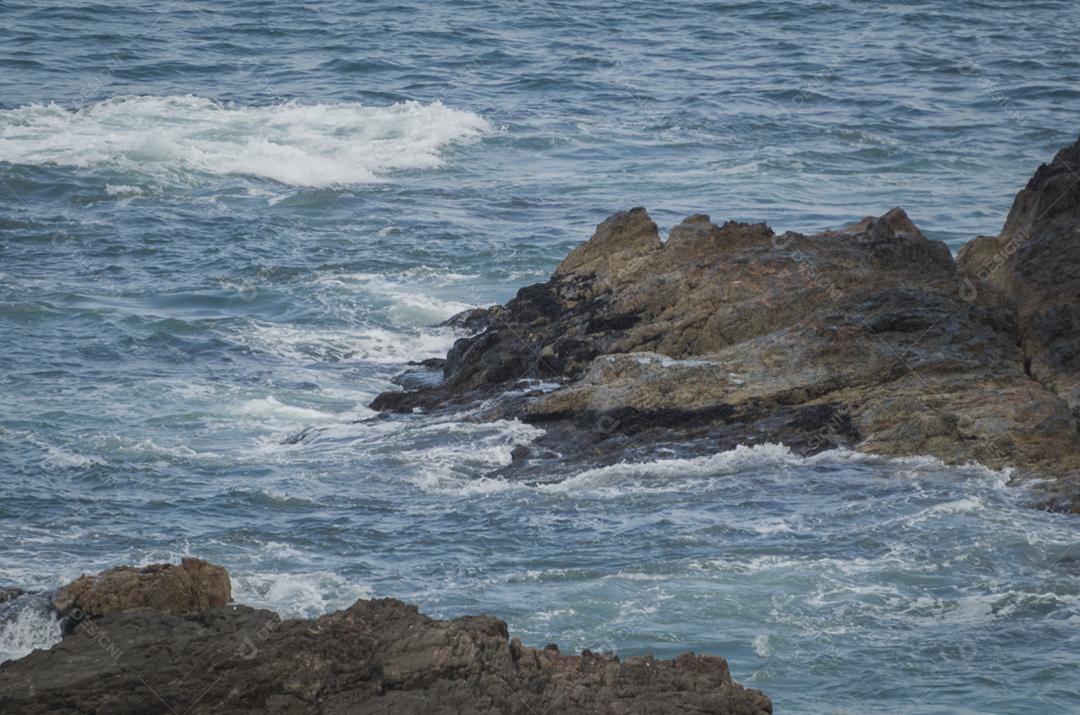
{"x": 223, "y": 223}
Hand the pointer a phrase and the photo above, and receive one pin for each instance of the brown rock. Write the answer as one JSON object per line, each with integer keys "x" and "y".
{"x": 193, "y": 586}
{"x": 619, "y": 244}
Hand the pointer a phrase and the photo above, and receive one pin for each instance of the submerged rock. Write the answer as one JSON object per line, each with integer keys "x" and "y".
{"x": 868, "y": 337}
{"x": 378, "y": 656}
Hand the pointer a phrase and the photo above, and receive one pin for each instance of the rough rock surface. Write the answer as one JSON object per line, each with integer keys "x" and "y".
{"x": 193, "y": 586}
{"x": 867, "y": 337}
{"x": 379, "y": 656}
{"x": 1032, "y": 269}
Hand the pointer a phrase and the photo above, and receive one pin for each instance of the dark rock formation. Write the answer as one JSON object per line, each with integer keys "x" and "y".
{"x": 379, "y": 656}
{"x": 1032, "y": 269}
{"x": 1030, "y": 272}
{"x": 7, "y": 594}
{"x": 867, "y": 337}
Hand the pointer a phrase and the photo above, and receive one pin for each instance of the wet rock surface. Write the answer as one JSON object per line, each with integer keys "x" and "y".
{"x": 869, "y": 337}
{"x": 378, "y": 656}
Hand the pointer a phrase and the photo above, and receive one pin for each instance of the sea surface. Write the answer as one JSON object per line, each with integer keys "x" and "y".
{"x": 222, "y": 223}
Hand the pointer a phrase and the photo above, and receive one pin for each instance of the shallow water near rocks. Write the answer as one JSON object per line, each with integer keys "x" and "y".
{"x": 223, "y": 224}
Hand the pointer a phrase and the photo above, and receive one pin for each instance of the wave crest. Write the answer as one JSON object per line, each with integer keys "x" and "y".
{"x": 316, "y": 145}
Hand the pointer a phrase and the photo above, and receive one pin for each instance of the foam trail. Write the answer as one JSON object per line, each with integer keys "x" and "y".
{"x": 729, "y": 462}
{"x": 169, "y": 138}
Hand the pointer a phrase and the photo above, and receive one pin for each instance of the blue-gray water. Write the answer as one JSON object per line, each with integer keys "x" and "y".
{"x": 223, "y": 222}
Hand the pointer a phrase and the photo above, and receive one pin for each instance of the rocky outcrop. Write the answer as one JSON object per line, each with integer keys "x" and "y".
{"x": 1032, "y": 271}
{"x": 193, "y": 586}
{"x": 867, "y": 337}
{"x": 378, "y": 656}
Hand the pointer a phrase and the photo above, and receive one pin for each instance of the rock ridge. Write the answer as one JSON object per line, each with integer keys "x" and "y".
{"x": 142, "y": 645}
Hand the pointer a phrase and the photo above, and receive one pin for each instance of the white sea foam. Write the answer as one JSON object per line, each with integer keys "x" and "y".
{"x": 449, "y": 468}
{"x": 557, "y": 613}
{"x": 270, "y": 408}
{"x": 121, "y": 190}
{"x": 149, "y": 449}
{"x": 60, "y": 459}
{"x": 376, "y": 345}
{"x": 26, "y": 626}
{"x": 295, "y": 144}
{"x": 730, "y": 462}
{"x": 669, "y": 474}
{"x": 409, "y": 293}
{"x": 638, "y": 576}
{"x": 945, "y": 509}
{"x": 771, "y": 526}
{"x": 982, "y": 607}
{"x": 446, "y": 469}
{"x": 297, "y": 595}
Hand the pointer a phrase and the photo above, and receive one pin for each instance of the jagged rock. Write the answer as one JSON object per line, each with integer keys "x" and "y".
{"x": 378, "y": 656}
{"x": 7, "y": 594}
{"x": 193, "y": 586}
{"x": 867, "y": 337}
{"x": 1032, "y": 269}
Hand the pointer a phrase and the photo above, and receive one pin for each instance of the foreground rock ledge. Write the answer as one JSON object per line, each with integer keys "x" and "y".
{"x": 378, "y": 656}
{"x": 870, "y": 337}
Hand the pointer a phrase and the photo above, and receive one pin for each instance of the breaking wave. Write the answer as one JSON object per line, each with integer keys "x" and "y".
{"x": 170, "y": 138}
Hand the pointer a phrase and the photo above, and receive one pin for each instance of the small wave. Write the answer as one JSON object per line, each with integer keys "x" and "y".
{"x": 982, "y": 608}
{"x": 375, "y": 345}
{"x": 315, "y": 145}
{"x": 409, "y": 293}
{"x": 771, "y": 526}
{"x": 27, "y": 624}
{"x": 59, "y": 459}
{"x": 730, "y": 462}
{"x": 270, "y": 408}
{"x": 149, "y": 449}
{"x": 294, "y": 595}
{"x": 669, "y": 474}
{"x": 750, "y": 167}
{"x": 121, "y": 190}
{"x": 638, "y": 576}
{"x": 558, "y": 613}
{"x": 450, "y": 469}
{"x": 946, "y": 509}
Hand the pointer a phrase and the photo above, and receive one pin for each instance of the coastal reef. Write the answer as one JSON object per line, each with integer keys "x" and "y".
{"x": 871, "y": 337}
